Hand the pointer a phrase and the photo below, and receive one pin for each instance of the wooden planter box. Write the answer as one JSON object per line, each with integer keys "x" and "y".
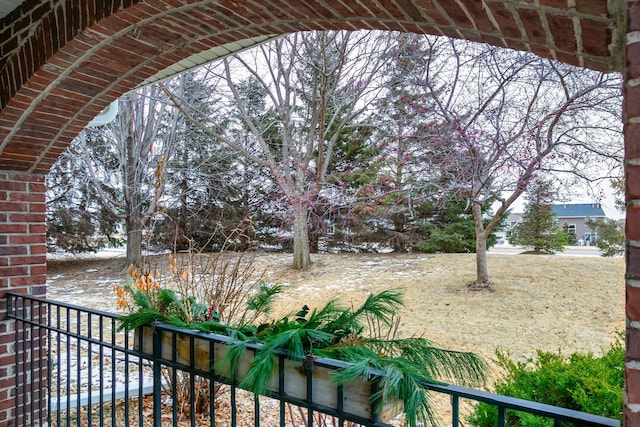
{"x": 356, "y": 396}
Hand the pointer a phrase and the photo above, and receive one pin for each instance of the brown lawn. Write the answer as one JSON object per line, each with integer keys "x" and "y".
{"x": 547, "y": 302}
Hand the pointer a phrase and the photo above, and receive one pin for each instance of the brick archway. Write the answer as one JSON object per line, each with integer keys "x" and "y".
{"x": 63, "y": 66}
{"x": 63, "y": 61}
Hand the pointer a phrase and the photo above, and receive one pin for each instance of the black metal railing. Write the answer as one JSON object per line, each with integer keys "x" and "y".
{"x": 74, "y": 367}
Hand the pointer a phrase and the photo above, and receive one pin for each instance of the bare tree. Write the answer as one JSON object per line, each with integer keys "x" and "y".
{"x": 315, "y": 86}
{"x": 126, "y": 160}
{"x": 495, "y": 119}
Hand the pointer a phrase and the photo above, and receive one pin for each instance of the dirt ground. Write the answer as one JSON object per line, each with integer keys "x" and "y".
{"x": 546, "y": 302}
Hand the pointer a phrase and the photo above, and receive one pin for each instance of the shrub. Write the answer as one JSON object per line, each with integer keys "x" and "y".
{"x": 581, "y": 381}
{"x": 611, "y": 235}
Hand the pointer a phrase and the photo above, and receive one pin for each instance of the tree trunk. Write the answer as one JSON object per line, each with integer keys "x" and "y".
{"x": 482, "y": 279}
{"x": 301, "y": 256}
{"x": 314, "y": 234}
{"x": 133, "y": 204}
{"x": 482, "y": 272}
{"x": 134, "y": 239}
{"x": 181, "y": 242}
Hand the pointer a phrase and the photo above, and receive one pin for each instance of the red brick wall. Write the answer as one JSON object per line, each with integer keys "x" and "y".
{"x": 632, "y": 175}
{"x": 22, "y": 269}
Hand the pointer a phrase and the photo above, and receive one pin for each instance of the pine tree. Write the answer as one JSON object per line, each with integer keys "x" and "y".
{"x": 450, "y": 229}
{"x": 611, "y": 236}
{"x": 539, "y": 228}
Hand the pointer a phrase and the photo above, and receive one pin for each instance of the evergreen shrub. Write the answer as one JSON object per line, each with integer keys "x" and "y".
{"x": 581, "y": 381}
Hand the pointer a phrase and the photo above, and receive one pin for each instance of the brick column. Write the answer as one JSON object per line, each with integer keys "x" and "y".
{"x": 22, "y": 269}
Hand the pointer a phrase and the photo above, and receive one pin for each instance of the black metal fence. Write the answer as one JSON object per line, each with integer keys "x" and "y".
{"x": 75, "y": 368}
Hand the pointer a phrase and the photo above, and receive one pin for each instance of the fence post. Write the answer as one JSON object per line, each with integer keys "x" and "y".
{"x": 157, "y": 377}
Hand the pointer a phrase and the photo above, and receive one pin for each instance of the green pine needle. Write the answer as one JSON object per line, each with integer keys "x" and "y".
{"x": 235, "y": 353}
{"x": 262, "y": 300}
{"x": 139, "y": 318}
{"x": 259, "y": 375}
{"x": 330, "y": 331}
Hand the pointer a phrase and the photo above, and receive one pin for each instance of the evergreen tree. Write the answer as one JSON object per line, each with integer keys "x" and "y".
{"x": 450, "y": 230}
{"x": 208, "y": 186}
{"x": 77, "y": 220}
{"x": 402, "y": 201}
{"x": 611, "y": 236}
{"x": 539, "y": 228}
{"x": 572, "y": 239}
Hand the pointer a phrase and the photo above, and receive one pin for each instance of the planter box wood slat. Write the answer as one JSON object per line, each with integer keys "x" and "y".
{"x": 356, "y": 395}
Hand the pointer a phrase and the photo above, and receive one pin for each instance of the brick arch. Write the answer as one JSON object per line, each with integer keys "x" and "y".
{"x": 65, "y": 64}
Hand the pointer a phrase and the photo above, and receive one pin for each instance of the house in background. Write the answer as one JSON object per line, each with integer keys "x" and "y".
{"x": 574, "y": 215}
{"x": 504, "y": 234}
